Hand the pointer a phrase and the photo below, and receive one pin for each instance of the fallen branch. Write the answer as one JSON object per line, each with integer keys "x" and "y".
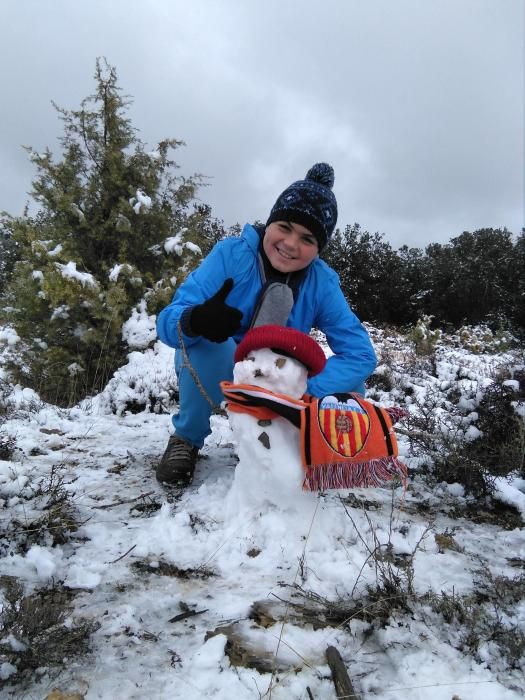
{"x": 188, "y": 613}
{"x": 342, "y": 682}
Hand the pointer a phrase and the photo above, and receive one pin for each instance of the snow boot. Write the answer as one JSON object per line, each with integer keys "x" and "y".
{"x": 178, "y": 462}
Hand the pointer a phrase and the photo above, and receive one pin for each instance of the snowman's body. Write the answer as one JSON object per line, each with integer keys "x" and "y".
{"x": 269, "y": 472}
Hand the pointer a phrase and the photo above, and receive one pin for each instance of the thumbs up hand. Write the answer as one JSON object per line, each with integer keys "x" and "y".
{"x": 214, "y": 319}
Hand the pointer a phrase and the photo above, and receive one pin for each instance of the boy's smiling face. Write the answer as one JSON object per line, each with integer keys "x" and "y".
{"x": 288, "y": 246}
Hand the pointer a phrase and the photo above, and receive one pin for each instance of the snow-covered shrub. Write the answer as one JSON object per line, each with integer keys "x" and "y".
{"x": 393, "y": 588}
{"x": 486, "y": 618}
{"x": 7, "y": 447}
{"x": 50, "y": 516}
{"x": 500, "y": 447}
{"x": 146, "y": 382}
{"x": 381, "y": 379}
{"x": 139, "y": 330}
{"x": 36, "y": 630}
{"x": 481, "y": 339}
{"x": 7, "y": 442}
{"x": 471, "y": 441}
{"x": 424, "y": 337}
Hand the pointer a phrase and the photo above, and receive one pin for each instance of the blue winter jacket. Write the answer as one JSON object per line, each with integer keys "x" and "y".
{"x": 319, "y": 304}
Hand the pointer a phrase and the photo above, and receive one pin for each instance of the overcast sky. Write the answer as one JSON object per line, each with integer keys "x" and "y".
{"x": 418, "y": 104}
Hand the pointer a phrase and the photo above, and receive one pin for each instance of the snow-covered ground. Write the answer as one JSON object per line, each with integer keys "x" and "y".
{"x": 174, "y": 584}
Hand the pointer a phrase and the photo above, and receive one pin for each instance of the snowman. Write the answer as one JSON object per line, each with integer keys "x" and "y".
{"x": 269, "y": 474}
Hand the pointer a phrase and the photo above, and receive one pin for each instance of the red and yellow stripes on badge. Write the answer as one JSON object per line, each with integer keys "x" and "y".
{"x": 345, "y": 431}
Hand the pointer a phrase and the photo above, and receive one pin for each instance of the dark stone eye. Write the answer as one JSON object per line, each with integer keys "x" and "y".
{"x": 280, "y": 362}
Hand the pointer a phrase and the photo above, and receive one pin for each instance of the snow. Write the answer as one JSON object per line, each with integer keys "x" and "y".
{"x": 8, "y": 336}
{"x": 6, "y": 670}
{"x": 176, "y": 244}
{"x": 43, "y": 560}
{"x": 60, "y": 312}
{"x": 193, "y": 248}
{"x": 116, "y": 270}
{"x": 55, "y": 251}
{"x": 140, "y": 200}
{"x": 78, "y": 211}
{"x": 512, "y": 384}
{"x": 69, "y": 271}
{"x": 173, "y": 244}
{"x": 455, "y": 489}
{"x": 141, "y": 555}
{"x": 148, "y": 379}
{"x": 139, "y": 330}
{"x": 512, "y": 494}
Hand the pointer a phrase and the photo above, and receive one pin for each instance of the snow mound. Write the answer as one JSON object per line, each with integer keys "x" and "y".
{"x": 147, "y": 382}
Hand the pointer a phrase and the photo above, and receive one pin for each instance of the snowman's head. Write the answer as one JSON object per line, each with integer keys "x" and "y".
{"x": 278, "y": 358}
{"x": 271, "y": 370}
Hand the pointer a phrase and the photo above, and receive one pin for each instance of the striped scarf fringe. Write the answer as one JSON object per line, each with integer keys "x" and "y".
{"x": 375, "y": 472}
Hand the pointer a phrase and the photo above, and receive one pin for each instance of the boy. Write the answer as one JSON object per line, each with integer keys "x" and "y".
{"x": 264, "y": 274}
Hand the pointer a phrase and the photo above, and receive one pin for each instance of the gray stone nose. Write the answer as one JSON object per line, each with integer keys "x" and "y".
{"x": 258, "y": 373}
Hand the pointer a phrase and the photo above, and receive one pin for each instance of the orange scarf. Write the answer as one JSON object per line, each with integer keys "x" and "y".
{"x": 346, "y": 441}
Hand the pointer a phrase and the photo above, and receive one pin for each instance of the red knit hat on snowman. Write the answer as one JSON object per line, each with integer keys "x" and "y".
{"x": 285, "y": 341}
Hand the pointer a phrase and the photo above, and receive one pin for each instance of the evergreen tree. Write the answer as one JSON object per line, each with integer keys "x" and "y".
{"x": 440, "y": 265}
{"x": 471, "y": 279}
{"x": 8, "y": 250}
{"x": 412, "y": 284}
{"x": 476, "y": 278}
{"x": 376, "y": 280}
{"x": 517, "y": 274}
{"x": 116, "y": 225}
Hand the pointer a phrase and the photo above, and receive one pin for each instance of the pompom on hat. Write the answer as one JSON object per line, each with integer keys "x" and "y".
{"x": 289, "y": 341}
{"x": 310, "y": 202}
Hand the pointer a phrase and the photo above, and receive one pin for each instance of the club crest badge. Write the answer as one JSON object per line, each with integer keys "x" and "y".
{"x": 344, "y": 424}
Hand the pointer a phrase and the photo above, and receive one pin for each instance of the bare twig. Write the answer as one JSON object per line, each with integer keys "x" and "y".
{"x": 121, "y": 503}
{"x": 186, "y": 614}
{"x": 122, "y": 556}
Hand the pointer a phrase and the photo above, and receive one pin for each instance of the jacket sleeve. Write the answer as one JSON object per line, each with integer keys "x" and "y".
{"x": 201, "y": 284}
{"x": 353, "y": 358}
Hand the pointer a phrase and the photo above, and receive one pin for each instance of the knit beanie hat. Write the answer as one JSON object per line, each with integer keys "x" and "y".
{"x": 290, "y": 342}
{"x": 310, "y": 202}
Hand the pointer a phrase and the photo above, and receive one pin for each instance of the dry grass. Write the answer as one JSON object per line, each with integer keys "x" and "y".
{"x": 36, "y": 629}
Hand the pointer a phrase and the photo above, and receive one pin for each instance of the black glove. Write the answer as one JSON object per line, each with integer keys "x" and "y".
{"x": 215, "y": 320}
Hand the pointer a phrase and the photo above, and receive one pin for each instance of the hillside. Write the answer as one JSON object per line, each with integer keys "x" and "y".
{"x": 113, "y": 587}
